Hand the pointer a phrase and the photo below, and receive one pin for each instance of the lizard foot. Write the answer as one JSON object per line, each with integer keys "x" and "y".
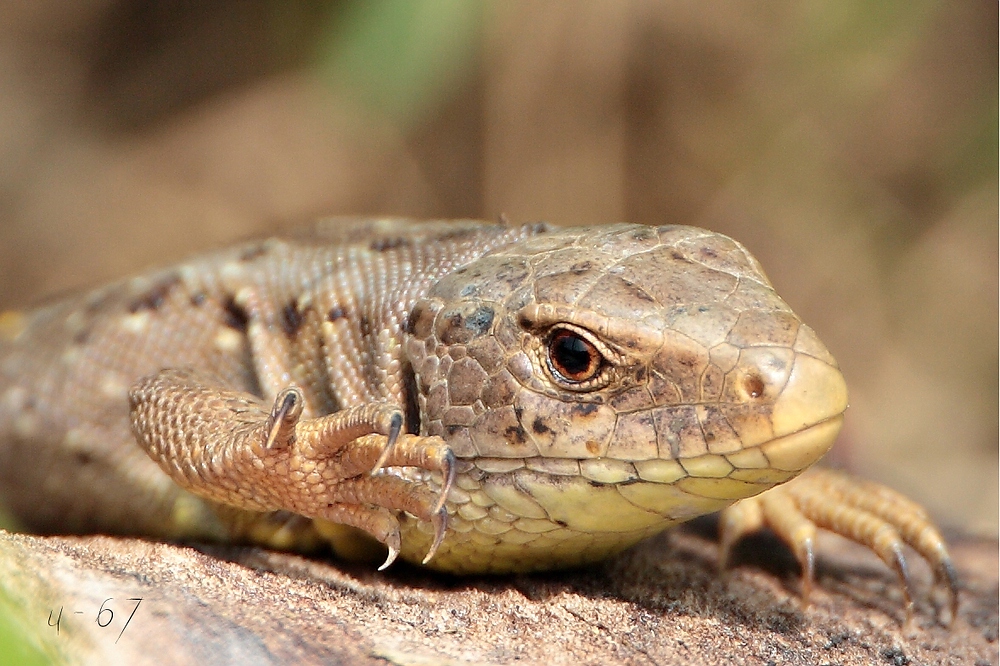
{"x": 349, "y": 467}
{"x": 864, "y": 512}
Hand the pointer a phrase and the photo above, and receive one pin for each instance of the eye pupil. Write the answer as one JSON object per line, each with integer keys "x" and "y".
{"x": 573, "y": 357}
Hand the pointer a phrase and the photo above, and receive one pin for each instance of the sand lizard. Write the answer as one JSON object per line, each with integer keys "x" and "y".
{"x": 476, "y": 397}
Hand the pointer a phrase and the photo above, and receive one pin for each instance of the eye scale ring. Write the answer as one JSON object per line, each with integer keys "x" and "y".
{"x": 572, "y": 358}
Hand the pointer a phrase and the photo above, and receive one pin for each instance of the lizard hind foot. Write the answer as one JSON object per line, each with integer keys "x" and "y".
{"x": 864, "y": 512}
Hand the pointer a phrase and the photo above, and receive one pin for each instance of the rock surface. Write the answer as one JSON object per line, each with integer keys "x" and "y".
{"x": 660, "y": 603}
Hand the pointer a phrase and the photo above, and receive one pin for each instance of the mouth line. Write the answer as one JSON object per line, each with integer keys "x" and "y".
{"x": 773, "y": 461}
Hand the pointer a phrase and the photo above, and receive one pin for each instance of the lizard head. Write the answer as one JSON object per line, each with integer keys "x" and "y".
{"x": 609, "y": 382}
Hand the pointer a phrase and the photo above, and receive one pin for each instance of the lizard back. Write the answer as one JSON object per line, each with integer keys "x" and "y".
{"x": 68, "y": 462}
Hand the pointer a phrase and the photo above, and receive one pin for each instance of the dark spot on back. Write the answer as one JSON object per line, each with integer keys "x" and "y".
{"x": 83, "y": 458}
{"x": 81, "y": 336}
{"x": 335, "y": 313}
{"x": 383, "y": 244}
{"x": 410, "y": 324}
{"x": 561, "y": 523}
{"x": 480, "y": 320}
{"x": 198, "y": 299}
{"x": 458, "y": 233}
{"x": 676, "y": 254}
{"x": 452, "y": 429}
{"x": 469, "y": 290}
{"x": 581, "y": 267}
{"x": 97, "y": 300}
{"x": 365, "y": 324}
{"x": 234, "y": 316}
{"x": 254, "y": 252}
{"x": 154, "y": 298}
{"x": 291, "y": 319}
{"x": 709, "y": 252}
{"x": 643, "y": 234}
{"x": 539, "y": 427}
{"x": 584, "y": 409}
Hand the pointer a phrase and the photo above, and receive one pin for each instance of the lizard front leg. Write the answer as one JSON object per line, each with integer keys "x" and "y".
{"x": 226, "y": 446}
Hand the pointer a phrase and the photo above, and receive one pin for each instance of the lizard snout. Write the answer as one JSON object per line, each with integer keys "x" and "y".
{"x": 807, "y": 414}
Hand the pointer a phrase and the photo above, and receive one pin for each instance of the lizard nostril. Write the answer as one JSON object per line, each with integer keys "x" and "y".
{"x": 753, "y": 385}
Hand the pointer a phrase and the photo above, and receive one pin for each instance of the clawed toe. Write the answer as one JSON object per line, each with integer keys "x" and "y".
{"x": 950, "y": 576}
{"x": 390, "y": 558}
{"x": 863, "y": 512}
{"x": 440, "y": 522}
{"x": 395, "y": 428}
{"x": 285, "y": 414}
{"x": 448, "y": 479}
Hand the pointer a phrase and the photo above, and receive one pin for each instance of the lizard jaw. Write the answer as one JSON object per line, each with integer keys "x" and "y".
{"x": 815, "y": 392}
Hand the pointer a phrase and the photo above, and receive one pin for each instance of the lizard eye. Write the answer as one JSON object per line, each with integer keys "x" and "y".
{"x": 573, "y": 358}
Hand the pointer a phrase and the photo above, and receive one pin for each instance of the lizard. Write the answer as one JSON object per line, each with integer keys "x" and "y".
{"x": 477, "y": 397}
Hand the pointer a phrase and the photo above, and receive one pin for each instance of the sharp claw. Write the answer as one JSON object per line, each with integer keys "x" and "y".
{"x": 904, "y": 573}
{"x": 449, "y": 480}
{"x": 951, "y": 577}
{"x": 440, "y": 522}
{"x": 287, "y": 407}
{"x": 395, "y": 427}
{"x": 808, "y": 562}
{"x": 393, "y": 554}
{"x": 805, "y": 553}
{"x": 392, "y": 543}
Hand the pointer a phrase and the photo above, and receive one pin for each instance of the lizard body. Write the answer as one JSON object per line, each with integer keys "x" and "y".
{"x": 480, "y": 398}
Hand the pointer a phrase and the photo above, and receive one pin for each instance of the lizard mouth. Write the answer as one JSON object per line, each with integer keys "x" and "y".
{"x": 587, "y": 516}
{"x": 671, "y": 491}
{"x": 795, "y": 452}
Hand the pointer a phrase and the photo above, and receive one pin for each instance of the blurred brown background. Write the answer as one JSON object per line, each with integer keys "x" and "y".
{"x": 851, "y": 145}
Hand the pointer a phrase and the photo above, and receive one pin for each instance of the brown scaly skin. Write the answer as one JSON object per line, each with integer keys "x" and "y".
{"x": 479, "y": 398}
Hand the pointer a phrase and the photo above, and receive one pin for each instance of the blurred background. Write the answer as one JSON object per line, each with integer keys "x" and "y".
{"x": 851, "y": 145}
